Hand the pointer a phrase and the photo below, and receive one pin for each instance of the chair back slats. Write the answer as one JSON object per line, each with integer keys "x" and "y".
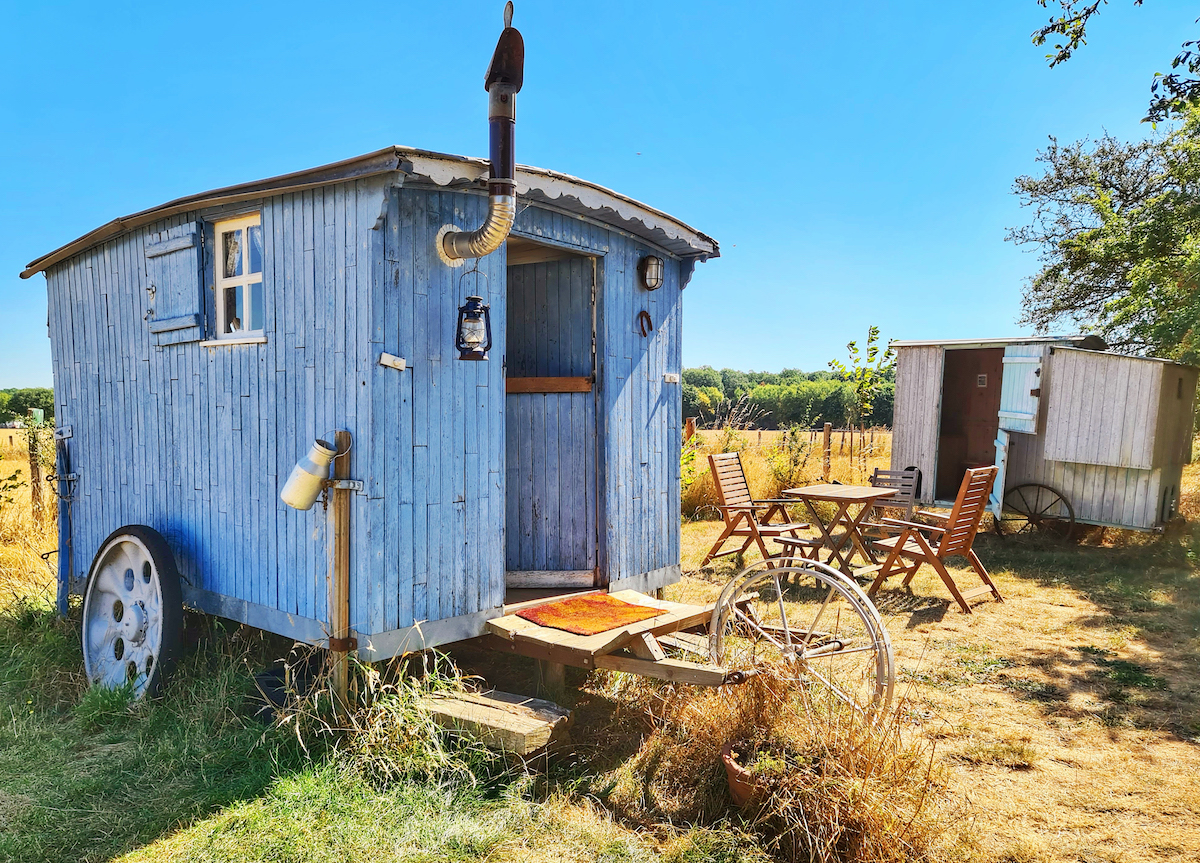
{"x": 969, "y": 507}
{"x": 729, "y": 479}
{"x": 903, "y": 481}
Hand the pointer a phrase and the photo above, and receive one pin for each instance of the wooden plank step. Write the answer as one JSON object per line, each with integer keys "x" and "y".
{"x": 974, "y": 592}
{"x": 675, "y": 616}
{"x": 501, "y": 720}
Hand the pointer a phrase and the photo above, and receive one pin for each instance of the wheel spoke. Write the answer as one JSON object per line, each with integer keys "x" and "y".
{"x": 838, "y": 651}
{"x": 787, "y": 631}
{"x": 738, "y": 613}
{"x": 833, "y": 687}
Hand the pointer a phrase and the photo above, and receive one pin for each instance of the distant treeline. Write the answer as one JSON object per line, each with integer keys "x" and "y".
{"x": 791, "y": 397}
{"x": 16, "y": 402}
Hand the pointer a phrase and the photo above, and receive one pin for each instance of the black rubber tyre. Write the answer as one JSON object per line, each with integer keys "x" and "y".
{"x": 132, "y": 611}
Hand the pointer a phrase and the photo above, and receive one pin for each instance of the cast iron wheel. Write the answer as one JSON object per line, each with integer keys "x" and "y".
{"x": 809, "y": 625}
{"x": 1034, "y": 508}
{"x": 132, "y": 611}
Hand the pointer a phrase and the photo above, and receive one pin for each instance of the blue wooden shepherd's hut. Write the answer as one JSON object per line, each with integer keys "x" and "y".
{"x": 200, "y": 346}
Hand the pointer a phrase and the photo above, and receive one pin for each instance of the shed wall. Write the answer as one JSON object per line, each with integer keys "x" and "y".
{"x": 457, "y": 530}
{"x": 640, "y": 414}
{"x": 1103, "y": 408}
{"x": 195, "y": 441}
{"x": 918, "y": 413}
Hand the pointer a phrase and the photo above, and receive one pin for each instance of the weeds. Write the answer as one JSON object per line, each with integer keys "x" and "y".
{"x": 833, "y": 787}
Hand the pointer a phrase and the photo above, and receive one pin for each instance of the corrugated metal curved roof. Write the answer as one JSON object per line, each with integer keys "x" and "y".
{"x": 535, "y": 184}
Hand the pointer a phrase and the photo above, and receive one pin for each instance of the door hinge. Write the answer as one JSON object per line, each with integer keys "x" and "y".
{"x": 1036, "y": 392}
{"x": 62, "y": 433}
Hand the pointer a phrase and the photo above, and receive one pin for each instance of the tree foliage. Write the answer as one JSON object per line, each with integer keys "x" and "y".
{"x": 1117, "y": 226}
{"x": 15, "y": 403}
{"x": 866, "y": 374}
{"x": 1170, "y": 94}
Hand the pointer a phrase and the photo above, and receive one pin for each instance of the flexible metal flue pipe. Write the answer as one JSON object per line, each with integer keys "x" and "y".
{"x": 503, "y": 81}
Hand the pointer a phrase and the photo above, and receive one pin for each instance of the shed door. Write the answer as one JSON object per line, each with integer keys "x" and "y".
{"x": 996, "y": 498}
{"x": 551, "y": 525}
{"x": 1020, "y": 388}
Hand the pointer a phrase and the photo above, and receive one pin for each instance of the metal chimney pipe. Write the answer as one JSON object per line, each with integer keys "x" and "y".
{"x": 502, "y": 82}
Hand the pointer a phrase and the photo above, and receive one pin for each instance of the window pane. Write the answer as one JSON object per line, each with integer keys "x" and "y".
{"x": 232, "y": 241}
{"x": 233, "y": 300}
{"x": 254, "y": 241}
{"x": 256, "y": 306}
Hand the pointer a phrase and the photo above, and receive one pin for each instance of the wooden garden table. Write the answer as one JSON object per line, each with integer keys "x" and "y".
{"x": 843, "y": 497}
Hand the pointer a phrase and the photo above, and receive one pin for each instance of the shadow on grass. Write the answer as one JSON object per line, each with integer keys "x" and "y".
{"x": 90, "y": 784}
{"x": 1147, "y": 588}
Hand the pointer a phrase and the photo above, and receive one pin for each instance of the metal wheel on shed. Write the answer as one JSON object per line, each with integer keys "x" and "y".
{"x": 810, "y": 626}
{"x": 132, "y": 611}
{"x": 1034, "y": 508}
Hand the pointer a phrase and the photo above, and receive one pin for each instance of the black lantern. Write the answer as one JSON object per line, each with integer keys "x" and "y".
{"x": 474, "y": 338}
{"x": 650, "y": 268}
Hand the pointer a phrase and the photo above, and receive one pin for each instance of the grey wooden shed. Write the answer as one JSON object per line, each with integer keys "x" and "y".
{"x": 1104, "y": 434}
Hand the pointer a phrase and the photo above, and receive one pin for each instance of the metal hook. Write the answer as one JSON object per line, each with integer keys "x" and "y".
{"x": 334, "y": 437}
{"x": 474, "y": 268}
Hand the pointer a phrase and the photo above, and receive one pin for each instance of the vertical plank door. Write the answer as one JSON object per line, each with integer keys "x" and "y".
{"x": 550, "y": 510}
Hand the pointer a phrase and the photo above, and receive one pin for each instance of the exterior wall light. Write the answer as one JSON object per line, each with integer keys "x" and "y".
{"x": 474, "y": 338}
{"x": 650, "y": 268}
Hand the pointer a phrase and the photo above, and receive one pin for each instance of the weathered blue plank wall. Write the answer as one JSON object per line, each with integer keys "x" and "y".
{"x": 436, "y": 485}
{"x": 195, "y": 441}
{"x": 639, "y": 423}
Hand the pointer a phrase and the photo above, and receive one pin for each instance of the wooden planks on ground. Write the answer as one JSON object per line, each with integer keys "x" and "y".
{"x": 501, "y": 720}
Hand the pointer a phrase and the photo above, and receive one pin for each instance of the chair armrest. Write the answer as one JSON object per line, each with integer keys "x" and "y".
{"x": 895, "y": 522}
{"x": 929, "y": 514}
{"x": 787, "y": 500}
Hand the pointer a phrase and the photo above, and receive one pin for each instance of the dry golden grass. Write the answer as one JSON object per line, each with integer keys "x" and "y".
{"x": 831, "y": 786}
{"x": 1069, "y": 715}
{"x": 767, "y": 471}
{"x": 22, "y": 541}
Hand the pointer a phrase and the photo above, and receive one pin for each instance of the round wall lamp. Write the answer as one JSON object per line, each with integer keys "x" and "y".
{"x": 650, "y": 268}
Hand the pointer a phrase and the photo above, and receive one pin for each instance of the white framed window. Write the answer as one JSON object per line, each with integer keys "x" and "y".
{"x": 238, "y": 269}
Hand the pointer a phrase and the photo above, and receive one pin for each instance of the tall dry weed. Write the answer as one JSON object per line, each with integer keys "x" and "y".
{"x": 831, "y": 786}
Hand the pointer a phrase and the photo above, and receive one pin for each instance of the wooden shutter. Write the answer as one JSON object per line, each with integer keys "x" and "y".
{"x": 1021, "y": 388}
{"x": 173, "y": 265}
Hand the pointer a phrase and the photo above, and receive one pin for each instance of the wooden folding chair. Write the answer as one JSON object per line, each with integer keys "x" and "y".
{"x": 905, "y": 484}
{"x": 915, "y": 542}
{"x": 751, "y": 519}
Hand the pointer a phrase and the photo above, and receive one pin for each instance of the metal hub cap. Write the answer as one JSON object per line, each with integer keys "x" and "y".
{"x": 122, "y": 616}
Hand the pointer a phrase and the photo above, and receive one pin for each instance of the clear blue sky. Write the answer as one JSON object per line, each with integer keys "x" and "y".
{"x": 854, "y": 160}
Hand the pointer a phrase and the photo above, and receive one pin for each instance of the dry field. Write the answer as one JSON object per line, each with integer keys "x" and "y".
{"x": 1067, "y": 717}
{"x": 1066, "y": 722}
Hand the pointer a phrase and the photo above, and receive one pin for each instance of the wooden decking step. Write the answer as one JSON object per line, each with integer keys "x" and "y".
{"x": 501, "y": 720}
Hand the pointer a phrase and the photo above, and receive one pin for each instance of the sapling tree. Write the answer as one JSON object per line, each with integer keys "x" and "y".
{"x": 866, "y": 373}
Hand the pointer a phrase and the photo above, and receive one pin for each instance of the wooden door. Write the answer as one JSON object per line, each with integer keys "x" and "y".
{"x": 551, "y": 525}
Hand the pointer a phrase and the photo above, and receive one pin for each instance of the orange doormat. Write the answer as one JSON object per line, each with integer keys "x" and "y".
{"x": 588, "y": 615}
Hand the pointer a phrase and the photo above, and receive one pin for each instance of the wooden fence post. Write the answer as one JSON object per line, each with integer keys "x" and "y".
{"x": 826, "y": 453}
{"x": 35, "y": 476}
{"x": 689, "y": 428}
{"x": 339, "y": 582}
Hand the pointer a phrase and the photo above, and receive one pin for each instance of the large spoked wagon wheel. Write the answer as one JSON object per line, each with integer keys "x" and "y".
{"x": 810, "y": 625}
{"x": 1034, "y": 508}
{"x": 132, "y": 611}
